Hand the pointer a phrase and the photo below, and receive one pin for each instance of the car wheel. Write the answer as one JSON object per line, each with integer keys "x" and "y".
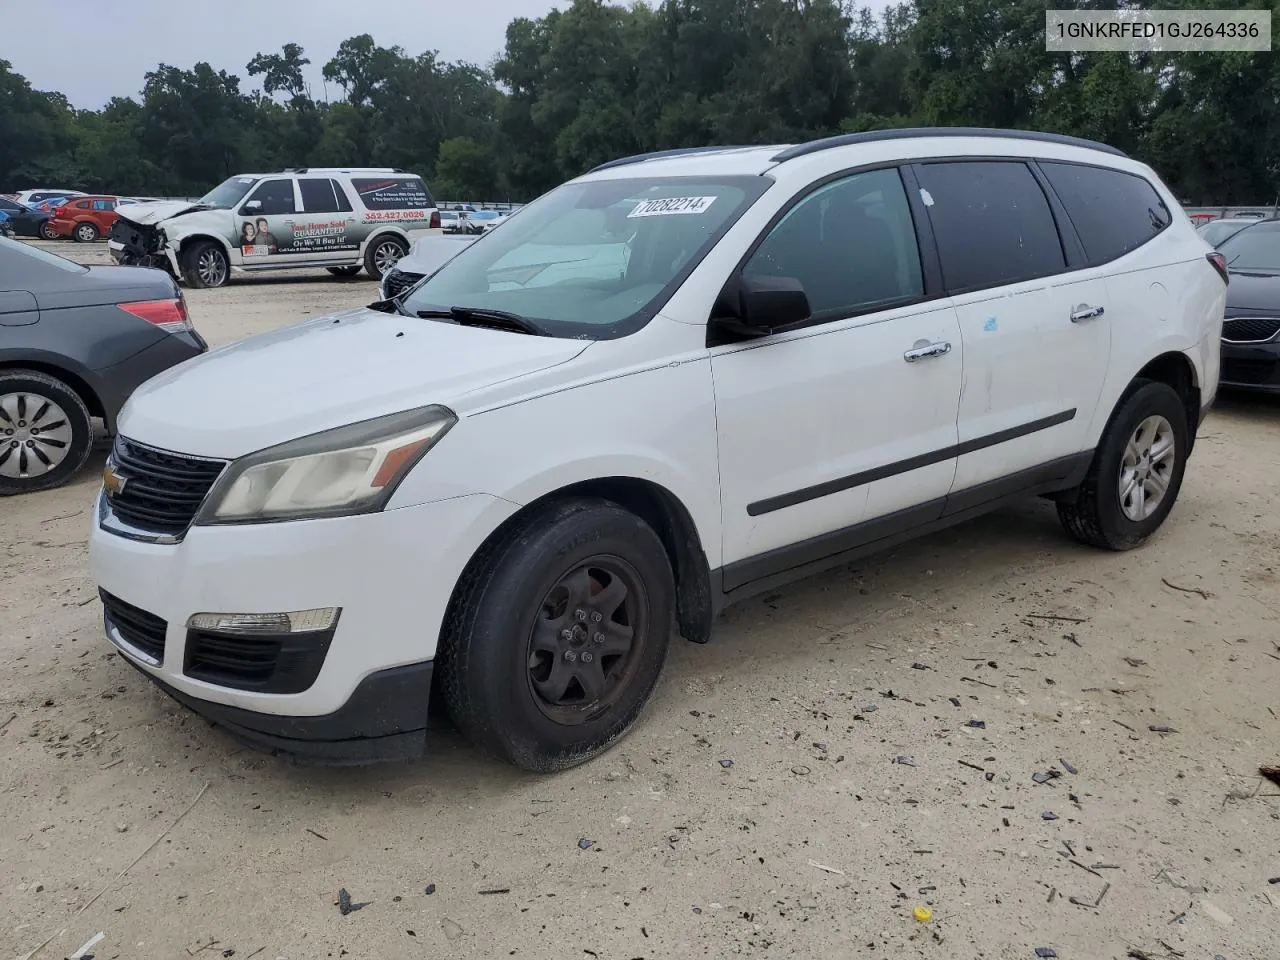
{"x": 45, "y": 432}
{"x": 204, "y": 264}
{"x": 383, "y": 254}
{"x": 46, "y": 231}
{"x": 1136, "y": 472}
{"x": 86, "y": 233}
{"x": 343, "y": 271}
{"x": 556, "y": 635}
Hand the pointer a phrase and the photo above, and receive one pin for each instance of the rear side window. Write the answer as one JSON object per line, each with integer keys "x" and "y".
{"x": 393, "y": 193}
{"x": 82, "y": 205}
{"x": 1113, "y": 212}
{"x": 318, "y": 196}
{"x": 992, "y": 223}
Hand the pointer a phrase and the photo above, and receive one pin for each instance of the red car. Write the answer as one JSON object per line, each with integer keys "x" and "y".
{"x": 84, "y": 219}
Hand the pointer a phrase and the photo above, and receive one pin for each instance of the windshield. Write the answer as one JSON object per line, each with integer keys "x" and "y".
{"x": 11, "y": 269}
{"x": 595, "y": 260}
{"x": 228, "y": 193}
{"x": 1254, "y": 248}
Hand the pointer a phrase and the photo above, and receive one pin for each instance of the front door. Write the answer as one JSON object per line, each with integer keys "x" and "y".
{"x": 852, "y": 418}
{"x": 264, "y": 236}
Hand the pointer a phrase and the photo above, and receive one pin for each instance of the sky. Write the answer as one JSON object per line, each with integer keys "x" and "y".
{"x": 107, "y": 47}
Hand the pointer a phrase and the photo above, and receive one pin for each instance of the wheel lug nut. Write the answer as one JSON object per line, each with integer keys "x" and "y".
{"x": 570, "y": 656}
{"x": 22, "y": 423}
{"x": 598, "y": 638}
{"x": 566, "y": 634}
{"x": 596, "y": 616}
{"x": 586, "y": 656}
{"x": 580, "y": 616}
{"x": 35, "y": 431}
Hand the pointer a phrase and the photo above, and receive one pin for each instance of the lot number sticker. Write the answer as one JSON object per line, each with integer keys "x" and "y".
{"x": 671, "y": 207}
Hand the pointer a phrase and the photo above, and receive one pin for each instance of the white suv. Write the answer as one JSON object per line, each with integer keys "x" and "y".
{"x": 678, "y": 380}
{"x": 341, "y": 219}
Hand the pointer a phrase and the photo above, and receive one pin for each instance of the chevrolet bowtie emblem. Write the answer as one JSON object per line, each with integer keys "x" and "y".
{"x": 112, "y": 481}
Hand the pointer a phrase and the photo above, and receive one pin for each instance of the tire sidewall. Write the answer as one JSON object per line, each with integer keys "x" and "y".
{"x": 1147, "y": 400}
{"x": 77, "y": 414}
{"x": 191, "y": 265}
{"x": 46, "y": 231}
{"x": 527, "y": 570}
{"x": 86, "y": 233}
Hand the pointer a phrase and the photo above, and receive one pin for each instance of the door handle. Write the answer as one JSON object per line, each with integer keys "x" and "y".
{"x": 1085, "y": 312}
{"x": 940, "y": 349}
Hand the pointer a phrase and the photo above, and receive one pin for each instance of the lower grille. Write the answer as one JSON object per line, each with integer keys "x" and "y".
{"x": 1250, "y": 329}
{"x": 1251, "y": 372}
{"x": 398, "y": 281}
{"x": 161, "y": 491}
{"x": 141, "y": 630}
{"x": 264, "y": 663}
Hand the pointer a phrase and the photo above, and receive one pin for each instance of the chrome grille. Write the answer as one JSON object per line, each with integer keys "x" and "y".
{"x": 1250, "y": 329}
{"x": 398, "y": 281}
{"x": 161, "y": 491}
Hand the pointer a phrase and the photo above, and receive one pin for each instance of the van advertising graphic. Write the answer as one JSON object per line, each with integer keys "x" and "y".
{"x": 257, "y": 239}
{"x": 394, "y": 199}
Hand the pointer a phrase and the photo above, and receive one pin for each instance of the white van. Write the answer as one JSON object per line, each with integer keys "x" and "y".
{"x": 342, "y": 219}
{"x": 669, "y": 384}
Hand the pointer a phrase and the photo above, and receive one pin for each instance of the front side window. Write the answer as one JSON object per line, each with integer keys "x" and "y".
{"x": 992, "y": 222}
{"x": 851, "y": 244}
{"x": 1113, "y": 211}
{"x": 1254, "y": 249}
{"x": 594, "y": 259}
{"x": 276, "y": 197}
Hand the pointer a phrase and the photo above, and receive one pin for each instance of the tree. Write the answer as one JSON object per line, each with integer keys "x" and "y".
{"x": 281, "y": 71}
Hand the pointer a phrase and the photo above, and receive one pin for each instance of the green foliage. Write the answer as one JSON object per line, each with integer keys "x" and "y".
{"x": 596, "y": 80}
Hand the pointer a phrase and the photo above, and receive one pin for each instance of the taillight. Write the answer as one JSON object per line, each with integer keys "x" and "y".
{"x": 435, "y": 219}
{"x": 1220, "y": 264}
{"x": 168, "y": 315}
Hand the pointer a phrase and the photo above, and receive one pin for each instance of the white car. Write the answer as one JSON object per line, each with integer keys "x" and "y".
{"x": 342, "y": 219}
{"x": 679, "y": 380}
{"x": 31, "y": 198}
{"x": 426, "y": 255}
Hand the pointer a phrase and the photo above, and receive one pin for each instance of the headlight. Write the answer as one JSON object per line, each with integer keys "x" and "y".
{"x": 337, "y": 473}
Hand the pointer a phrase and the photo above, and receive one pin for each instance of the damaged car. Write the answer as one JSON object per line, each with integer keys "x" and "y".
{"x": 343, "y": 220}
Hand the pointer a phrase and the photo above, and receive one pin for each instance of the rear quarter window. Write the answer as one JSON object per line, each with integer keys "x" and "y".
{"x": 1113, "y": 212}
{"x": 393, "y": 193}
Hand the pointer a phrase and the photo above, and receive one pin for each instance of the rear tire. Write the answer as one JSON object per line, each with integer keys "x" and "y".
{"x": 556, "y": 636}
{"x": 383, "y": 253}
{"x": 1136, "y": 473}
{"x": 205, "y": 265}
{"x": 45, "y": 432}
{"x": 344, "y": 272}
{"x": 85, "y": 233}
{"x": 46, "y": 231}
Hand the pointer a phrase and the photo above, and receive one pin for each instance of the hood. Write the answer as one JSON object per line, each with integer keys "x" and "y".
{"x": 326, "y": 373}
{"x": 147, "y": 214}
{"x": 1253, "y": 291}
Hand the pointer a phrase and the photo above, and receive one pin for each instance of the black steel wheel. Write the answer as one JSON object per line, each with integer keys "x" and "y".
{"x": 557, "y": 633}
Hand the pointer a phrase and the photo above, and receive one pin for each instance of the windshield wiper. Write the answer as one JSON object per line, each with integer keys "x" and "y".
{"x": 486, "y": 317}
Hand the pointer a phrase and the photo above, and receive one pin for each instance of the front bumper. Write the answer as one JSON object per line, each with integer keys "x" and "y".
{"x": 1252, "y": 366}
{"x": 391, "y": 573}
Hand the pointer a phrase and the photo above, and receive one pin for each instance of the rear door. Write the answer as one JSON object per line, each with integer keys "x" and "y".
{"x": 326, "y": 227}
{"x": 104, "y": 214}
{"x": 1031, "y": 375}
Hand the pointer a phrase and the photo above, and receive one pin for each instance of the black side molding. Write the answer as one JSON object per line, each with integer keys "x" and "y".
{"x": 827, "y": 488}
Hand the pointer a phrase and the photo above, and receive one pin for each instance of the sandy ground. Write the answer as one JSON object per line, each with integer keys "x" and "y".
{"x": 757, "y": 810}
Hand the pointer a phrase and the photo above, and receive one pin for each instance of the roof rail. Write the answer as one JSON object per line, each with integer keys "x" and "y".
{"x": 661, "y": 154}
{"x": 908, "y": 133}
{"x": 342, "y": 170}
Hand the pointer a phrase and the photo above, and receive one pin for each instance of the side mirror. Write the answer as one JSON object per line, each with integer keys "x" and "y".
{"x": 253, "y": 205}
{"x": 759, "y": 306}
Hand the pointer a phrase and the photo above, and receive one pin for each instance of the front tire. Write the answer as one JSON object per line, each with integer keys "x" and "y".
{"x": 45, "y": 432}
{"x": 384, "y": 252}
{"x": 556, "y": 636}
{"x": 85, "y": 233}
{"x": 1136, "y": 473}
{"x": 205, "y": 264}
{"x": 344, "y": 272}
